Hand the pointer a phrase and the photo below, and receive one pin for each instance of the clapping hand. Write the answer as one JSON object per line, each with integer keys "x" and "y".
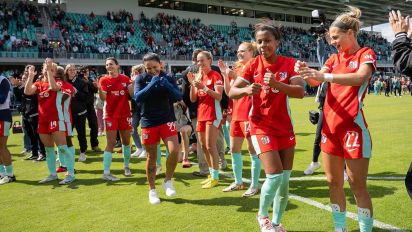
{"x": 398, "y": 22}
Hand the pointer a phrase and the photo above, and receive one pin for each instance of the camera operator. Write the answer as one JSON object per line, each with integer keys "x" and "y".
{"x": 401, "y": 46}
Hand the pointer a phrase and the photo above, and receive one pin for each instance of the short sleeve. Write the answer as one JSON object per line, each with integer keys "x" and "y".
{"x": 36, "y": 84}
{"x": 328, "y": 66}
{"x": 292, "y": 73}
{"x": 368, "y": 57}
{"x": 218, "y": 79}
{"x": 128, "y": 81}
{"x": 246, "y": 74}
{"x": 102, "y": 84}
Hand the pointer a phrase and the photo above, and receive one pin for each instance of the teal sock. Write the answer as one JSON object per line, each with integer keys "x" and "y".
{"x": 215, "y": 174}
{"x": 226, "y": 129}
{"x": 281, "y": 198}
{"x": 107, "y": 161}
{"x": 159, "y": 156}
{"x": 9, "y": 170}
{"x": 339, "y": 218}
{"x": 2, "y": 170}
{"x": 126, "y": 155}
{"x": 268, "y": 191}
{"x": 64, "y": 151}
{"x": 51, "y": 160}
{"x": 365, "y": 220}
{"x": 62, "y": 159}
{"x": 256, "y": 167}
{"x": 237, "y": 165}
{"x": 72, "y": 152}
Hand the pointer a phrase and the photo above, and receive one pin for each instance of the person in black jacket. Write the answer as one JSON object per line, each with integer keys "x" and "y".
{"x": 401, "y": 46}
{"x": 78, "y": 107}
{"x": 91, "y": 113}
{"x": 30, "y": 115}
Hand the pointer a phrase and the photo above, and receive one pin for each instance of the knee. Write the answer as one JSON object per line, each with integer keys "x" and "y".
{"x": 334, "y": 183}
{"x": 358, "y": 187}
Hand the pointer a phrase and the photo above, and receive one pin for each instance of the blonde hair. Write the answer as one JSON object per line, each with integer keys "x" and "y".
{"x": 140, "y": 68}
{"x": 207, "y": 54}
{"x": 250, "y": 47}
{"x": 66, "y": 71}
{"x": 349, "y": 20}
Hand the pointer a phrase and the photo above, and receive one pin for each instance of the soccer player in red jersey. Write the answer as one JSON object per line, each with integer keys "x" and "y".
{"x": 207, "y": 88}
{"x": 345, "y": 134}
{"x": 52, "y": 128}
{"x": 270, "y": 80}
{"x": 239, "y": 126}
{"x": 115, "y": 89}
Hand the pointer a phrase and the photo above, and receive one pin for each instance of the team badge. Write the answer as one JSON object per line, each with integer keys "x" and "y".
{"x": 124, "y": 84}
{"x": 283, "y": 76}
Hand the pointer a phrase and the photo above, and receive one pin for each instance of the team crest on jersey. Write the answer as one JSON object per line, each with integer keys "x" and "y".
{"x": 59, "y": 84}
{"x": 265, "y": 140}
{"x": 353, "y": 64}
{"x": 145, "y": 136}
{"x": 121, "y": 92}
{"x": 44, "y": 94}
{"x": 324, "y": 139}
{"x": 283, "y": 76}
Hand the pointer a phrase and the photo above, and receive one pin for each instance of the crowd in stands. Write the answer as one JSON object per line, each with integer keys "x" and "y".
{"x": 168, "y": 35}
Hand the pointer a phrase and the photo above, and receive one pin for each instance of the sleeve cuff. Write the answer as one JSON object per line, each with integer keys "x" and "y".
{"x": 400, "y": 34}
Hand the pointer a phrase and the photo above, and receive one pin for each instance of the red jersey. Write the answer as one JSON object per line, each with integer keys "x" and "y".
{"x": 241, "y": 106}
{"x": 117, "y": 96}
{"x": 343, "y": 104}
{"x": 50, "y": 102}
{"x": 68, "y": 90}
{"x": 270, "y": 114}
{"x": 209, "y": 109}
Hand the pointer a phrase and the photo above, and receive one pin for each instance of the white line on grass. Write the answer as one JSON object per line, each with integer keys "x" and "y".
{"x": 319, "y": 205}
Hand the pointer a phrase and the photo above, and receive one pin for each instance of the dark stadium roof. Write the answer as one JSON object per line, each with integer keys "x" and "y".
{"x": 373, "y": 11}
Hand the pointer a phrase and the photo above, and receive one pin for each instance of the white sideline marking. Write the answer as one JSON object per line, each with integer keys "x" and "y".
{"x": 319, "y": 205}
{"x": 351, "y": 215}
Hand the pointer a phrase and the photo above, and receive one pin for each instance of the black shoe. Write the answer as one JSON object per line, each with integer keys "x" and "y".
{"x": 32, "y": 157}
{"x": 118, "y": 144}
{"x": 196, "y": 173}
{"x": 7, "y": 179}
{"x": 41, "y": 158}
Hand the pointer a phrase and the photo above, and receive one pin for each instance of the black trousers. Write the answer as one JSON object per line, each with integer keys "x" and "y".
{"x": 92, "y": 120}
{"x": 79, "y": 122}
{"x": 30, "y": 125}
{"x": 318, "y": 136}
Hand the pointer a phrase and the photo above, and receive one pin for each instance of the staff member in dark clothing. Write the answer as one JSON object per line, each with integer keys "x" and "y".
{"x": 91, "y": 113}
{"x": 29, "y": 111}
{"x": 401, "y": 46}
{"x": 155, "y": 91}
{"x": 78, "y": 107}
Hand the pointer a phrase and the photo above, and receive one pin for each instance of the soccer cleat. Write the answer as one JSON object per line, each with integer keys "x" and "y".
{"x": 340, "y": 230}
{"x": 227, "y": 150}
{"x": 158, "y": 169}
{"x": 41, "y": 157}
{"x": 223, "y": 165}
{"x": 279, "y": 228}
{"x": 234, "y": 187}
{"x": 265, "y": 224}
{"x": 142, "y": 155}
{"x": 154, "y": 197}
{"x": 137, "y": 152}
{"x": 207, "y": 180}
{"x": 61, "y": 169}
{"x": 250, "y": 192}
{"x": 67, "y": 180}
{"x": 7, "y": 179}
{"x": 25, "y": 152}
{"x": 127, "y": 171}
{"x": 212, "y": 183}
{"x": 32, "y": 157}
{"x": 311, "y": 168}
{"x": 48, "y": 179}
{"x": 186, "y": 164}
{"x": 110, "y": 177}
{"x": 82, "y": 157}
{"x": 169, "y": 188}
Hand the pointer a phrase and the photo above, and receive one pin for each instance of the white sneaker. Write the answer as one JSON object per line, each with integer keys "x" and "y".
{"x": 169, "y": 188}
{"x": 48, "y": 179}
{"x": 142, "y": 155}
{"x": 7, "y": 179}
{"x": 345, "y": 176}
{"x": 340, "y": 230}
{"x": 250, "y": 192}
{"x": 154, "y": 197}
{"x": 265, "y": 224}
{"x": 127, "y": 171}
{"x": 137, "y": 152}
{"x": 158, "y": 169}
{"x": 110, "y": 177}
{"x": 67, "y": 180}
{"x": 279, "y": 228}
{"x": 82, "y": 157}
{"x": 311, "y": 168}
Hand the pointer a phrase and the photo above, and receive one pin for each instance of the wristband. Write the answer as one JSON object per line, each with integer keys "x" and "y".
{"x": 205, "y": 89}
{"x": 328, "y": 77}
